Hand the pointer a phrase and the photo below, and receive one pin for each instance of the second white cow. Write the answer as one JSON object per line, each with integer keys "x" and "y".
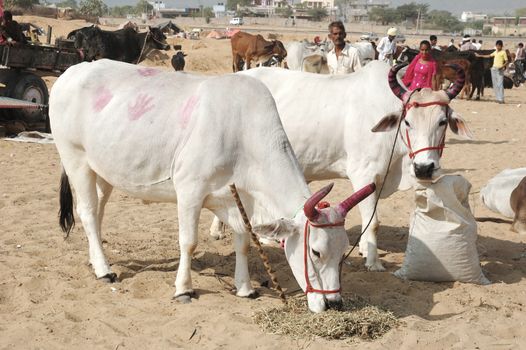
{"x": 330, "y": 122}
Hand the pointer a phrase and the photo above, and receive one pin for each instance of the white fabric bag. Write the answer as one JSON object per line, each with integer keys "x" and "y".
{"x": 442, "y": 234}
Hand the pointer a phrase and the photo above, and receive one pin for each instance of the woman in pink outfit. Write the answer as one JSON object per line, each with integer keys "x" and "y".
{"x": 422, "y": 71}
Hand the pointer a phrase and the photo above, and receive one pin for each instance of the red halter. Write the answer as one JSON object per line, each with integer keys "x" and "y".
{"x": 441, "y": 144}
{"x": 306, "y": 235}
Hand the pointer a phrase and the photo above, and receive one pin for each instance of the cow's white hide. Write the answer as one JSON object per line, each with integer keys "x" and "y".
{"x": 497, "y": 192}
{"x": 167, "y": 136}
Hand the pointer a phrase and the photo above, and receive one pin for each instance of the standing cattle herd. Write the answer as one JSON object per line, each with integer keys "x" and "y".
{"x": 270, "y": 131}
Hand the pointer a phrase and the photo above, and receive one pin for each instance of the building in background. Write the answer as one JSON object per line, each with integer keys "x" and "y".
{"x": 468, "y": 16}
{"x": 358, "y": 10}
{"x": 511, "y": 26}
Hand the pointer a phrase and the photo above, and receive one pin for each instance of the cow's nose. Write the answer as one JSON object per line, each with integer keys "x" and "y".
{"x": 424, "y": 171}
{"x": 335, "y": 304}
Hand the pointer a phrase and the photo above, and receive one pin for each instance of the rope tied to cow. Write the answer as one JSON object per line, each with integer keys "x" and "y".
{"x": 143, "y": 47}
{"x": 259, "y": 248}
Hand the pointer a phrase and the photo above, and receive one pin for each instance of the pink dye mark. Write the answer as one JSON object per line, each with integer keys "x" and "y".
{"x": 140, "y": 106}
{"x": 186, "y": 111}
{"x": 148, "y": 72}
{"x": 102, "y": 98}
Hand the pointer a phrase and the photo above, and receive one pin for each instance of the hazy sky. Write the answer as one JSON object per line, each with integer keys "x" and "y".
{"x": 457, "y": 6}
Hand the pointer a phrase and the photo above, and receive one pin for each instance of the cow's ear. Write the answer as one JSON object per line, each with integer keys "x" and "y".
{"x": 459, "y": 125}
{"x": 387, "y": 123}
{"x": 277, "y": 230}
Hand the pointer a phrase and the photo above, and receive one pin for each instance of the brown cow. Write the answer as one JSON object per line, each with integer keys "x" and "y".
{"x": 518, "y": 204}
{"x": 247, "y": 47}
{"x": 449, "y": 73}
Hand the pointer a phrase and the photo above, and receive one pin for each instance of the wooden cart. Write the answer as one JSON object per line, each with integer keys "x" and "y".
{"x": 21, "y": 72}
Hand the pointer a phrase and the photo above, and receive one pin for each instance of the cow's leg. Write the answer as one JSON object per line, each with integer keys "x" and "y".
{"x": 84, "y": 179}
{"x": 368, "y": 242}
{"x": 217, "y": 230}
{"x": 189, "y": 209}
{"x": 248, "y": 59}
{"x": 242, "y": 276}
{"x": 235, "y": 62}
{"x": 104, "y": 190}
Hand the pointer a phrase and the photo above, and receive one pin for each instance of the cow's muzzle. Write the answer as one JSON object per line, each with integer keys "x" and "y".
{"x": 335, "y": 304}
{"x": 424, "y": 171}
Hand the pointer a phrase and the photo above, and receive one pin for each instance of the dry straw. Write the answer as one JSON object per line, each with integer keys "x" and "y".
{"x": 356, "y": 319}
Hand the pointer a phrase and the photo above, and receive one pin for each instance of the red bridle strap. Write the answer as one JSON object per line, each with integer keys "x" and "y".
{"x": 410, "y": 105}
{"x": 441, "y": 144}
{"x": 308, "y": 288}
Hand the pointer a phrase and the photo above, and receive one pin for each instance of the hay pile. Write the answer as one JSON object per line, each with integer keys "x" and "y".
{"x": 356, "y": 319}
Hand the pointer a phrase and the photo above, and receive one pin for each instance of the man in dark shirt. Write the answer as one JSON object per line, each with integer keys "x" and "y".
{"x": 10, "y": 29}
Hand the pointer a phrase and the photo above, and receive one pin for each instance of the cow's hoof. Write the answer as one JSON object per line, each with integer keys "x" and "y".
{"x": 251, "y": 293}
{"x": 109, "y": 278}
{"x": 185, "y": 298}
{"x": 376, "y": 267}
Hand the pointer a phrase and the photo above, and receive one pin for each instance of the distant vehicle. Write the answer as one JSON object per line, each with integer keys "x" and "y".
{"x": 369, "y": 36}
{"x": 236, "y": 21}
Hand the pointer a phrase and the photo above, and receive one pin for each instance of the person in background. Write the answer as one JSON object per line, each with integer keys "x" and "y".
{"x": 475, "y": 44}
{"x": 433, "y": 40}
{"x": 500, "y": 62}
{"x": 480, "y": 44}
{"x": 466, "y": 44}
{"x": 10, "y": 29}
{"x": 451, "y": 42}
{"x": 343, "y": 58}
{"x": 520, "y": 59}
{"x": 421, "y": 73}
{"x": 387, "y": 46}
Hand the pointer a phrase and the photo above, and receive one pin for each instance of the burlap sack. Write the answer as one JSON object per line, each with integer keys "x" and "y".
{"x": 442, "y": 235}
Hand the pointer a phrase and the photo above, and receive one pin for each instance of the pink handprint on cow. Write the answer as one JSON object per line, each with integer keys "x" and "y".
{"x": 102, "y": 98}
{"x": 148, "y": 72}
{"x": 140, "y": 106}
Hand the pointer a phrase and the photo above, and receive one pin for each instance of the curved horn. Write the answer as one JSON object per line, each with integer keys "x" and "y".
{"x": 310, "y": 205}
{"x": 457, "y": 86}
{"x": 344, "y": 207}
{"x": 395, "y": 86}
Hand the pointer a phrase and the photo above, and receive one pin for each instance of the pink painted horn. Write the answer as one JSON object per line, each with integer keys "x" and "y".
{"x": 344, "y": 207}
{"x": 310, "y": 205}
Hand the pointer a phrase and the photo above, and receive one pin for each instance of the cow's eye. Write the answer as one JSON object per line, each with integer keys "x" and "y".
{"x": 407, "y": 123}
{"x": 316, "y": 253}
{"x": 442, "y": 122}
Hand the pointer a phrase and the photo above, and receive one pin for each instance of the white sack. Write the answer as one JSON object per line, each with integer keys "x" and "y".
{"x": 496, "y": 194}
{"x": 442, "y": 235}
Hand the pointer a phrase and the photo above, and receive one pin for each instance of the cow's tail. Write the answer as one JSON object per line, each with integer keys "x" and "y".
{"x": 66, "y": 218}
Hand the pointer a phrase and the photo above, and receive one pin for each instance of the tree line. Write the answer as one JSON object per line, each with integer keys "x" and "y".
{"x": 89, "y": 7}
{"x": 433, "y": 19}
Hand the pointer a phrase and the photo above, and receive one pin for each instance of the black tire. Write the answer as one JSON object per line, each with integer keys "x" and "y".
{"x": 28, "y": 87}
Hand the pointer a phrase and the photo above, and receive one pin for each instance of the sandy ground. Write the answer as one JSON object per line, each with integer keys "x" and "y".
{"x": 49, "y": 298}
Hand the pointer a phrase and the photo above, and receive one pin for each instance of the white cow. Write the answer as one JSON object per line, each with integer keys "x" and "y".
{"x": 166, "y": 136}
{"x": 297, "y": 51}
{"x": 329, "y": 119}
{"x": 303, "y": 56}
{"x": 366, "y": 51}
{"x": 497, "y": 192}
